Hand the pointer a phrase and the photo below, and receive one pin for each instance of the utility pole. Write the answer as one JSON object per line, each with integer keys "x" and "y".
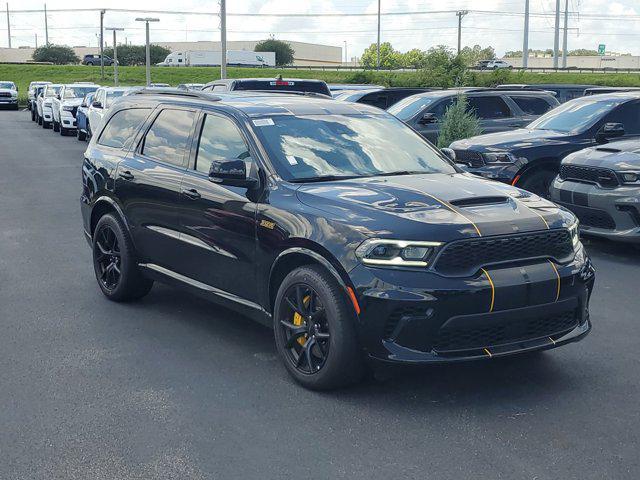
{"x": 525, "y": 41}
{"x": 115, "y": 54}
{"x": 460, "y": 14}
{"x": 36, "y": 40}
{"x": 556, "y": 36}
{"x": 102, "y": 44}
{"x": 223, "y": 39}
{"x": 8, "y": 26}
{"x": 346, "y": 58}
{"x": 148, "y": 49}
{"x": 378, "y": 44}
{"x": 46, "y": 26}
{"x": 564, "y": 39}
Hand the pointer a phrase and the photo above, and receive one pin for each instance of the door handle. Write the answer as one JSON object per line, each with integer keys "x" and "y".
{"x": 126, "y": 175}
{"x": 192, "y": 193}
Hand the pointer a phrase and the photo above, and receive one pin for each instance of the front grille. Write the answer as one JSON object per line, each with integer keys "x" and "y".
{"x": 592, "y": 217}
{"x": 470, "y": 157}
{"x": 466, "y": 257}
{"x": 5, "y": 94}
{"x": 398, "y": 314}
{"x": 504, "y": 332}
{"x": 600, "y": 176}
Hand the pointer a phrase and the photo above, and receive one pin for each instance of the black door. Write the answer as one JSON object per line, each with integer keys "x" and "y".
{"x": 148, "y": 185}
{"x": 218, "y": 223}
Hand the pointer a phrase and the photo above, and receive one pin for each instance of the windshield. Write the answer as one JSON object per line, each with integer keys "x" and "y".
{"x": 79, "y": 92}
{"x": 112, "y": 95}
{"x": 52, "y": 91}
{"x": 574, "y": 116}
{"x": 409, "y": 107}
{"x": 9, "y": 85}
{"x": 314, "y": 147}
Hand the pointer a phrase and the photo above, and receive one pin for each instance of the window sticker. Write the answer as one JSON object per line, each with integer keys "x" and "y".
{"x": 292, "y": 160}
{"x": 263, "y": 122}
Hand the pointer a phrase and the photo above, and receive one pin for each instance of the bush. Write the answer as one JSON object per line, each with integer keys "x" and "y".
{"x": 284, "y": 51}
{"x": 130, "y": 55}
{"x": 56, "y": 54}
{"x": 458, "y": 123}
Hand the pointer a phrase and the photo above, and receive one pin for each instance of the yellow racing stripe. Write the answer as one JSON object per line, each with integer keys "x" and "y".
{"x": 450, "y": 207}
{"x": 493, "y": 289}
{"x": 558, "y": 277}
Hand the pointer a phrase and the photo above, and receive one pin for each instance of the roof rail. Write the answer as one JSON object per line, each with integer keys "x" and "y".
{"x": 177, "y": 92}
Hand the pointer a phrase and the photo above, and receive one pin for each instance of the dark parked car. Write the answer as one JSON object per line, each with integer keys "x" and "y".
{"x": 95, "y": 60}
{"x": 380, "y": 97}
{"x": 601, "y": 185}
{"x": 334, "y": 224}
{"x": 497, "y": 110}
{"x": 82, "y": 115}
{"x": 563, "y": 91}
{"x": 530, "y": 157}
{"x": 601, "y": 90}
{"x": 268, "y": 84}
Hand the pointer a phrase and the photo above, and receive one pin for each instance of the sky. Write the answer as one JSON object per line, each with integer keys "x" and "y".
{"x": 496, "y": 23}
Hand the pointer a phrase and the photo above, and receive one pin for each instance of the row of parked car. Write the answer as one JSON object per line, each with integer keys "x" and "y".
{"x": 583, "y": 153}
{"x": 343, "y": 228}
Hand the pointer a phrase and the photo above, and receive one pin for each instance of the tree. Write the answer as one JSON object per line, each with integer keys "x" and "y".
{"x": 284, "y": 52}
{"x": 472, "y": 55}
{"x": 458, "y": 122}
{"x": 414, "y": 58}
{"x": 136, "y": 54}
{"x": 57, "y": 54}
{"x": 389, "y": 58}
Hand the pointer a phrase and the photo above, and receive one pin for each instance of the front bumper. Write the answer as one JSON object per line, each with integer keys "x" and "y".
{"x": 421, "y": 317}
{"x": 500, "y": 172}
{"x": 67, "y": 120}
{"x": 612, "y": 213}
{"x": 8, "y": 101}
{"x": 47, "y": 114}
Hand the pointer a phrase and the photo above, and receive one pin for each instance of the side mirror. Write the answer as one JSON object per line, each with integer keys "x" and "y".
{"x": 428, "y": 118}
{"x": 449, "y": 153}
{"x": 610, "y": 130}
{"x": 232, "y": 172}
{"x": 97, "y": 104}
{"x": 58, "y": 96}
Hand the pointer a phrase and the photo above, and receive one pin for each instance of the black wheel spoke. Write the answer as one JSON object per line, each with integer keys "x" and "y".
{"x": 322, "y": 335}
{"x": 308, "y": 355}
{"x": 107, "y": 257}
{"x": 294, "y": 307}
{"x": 317, "y": 315}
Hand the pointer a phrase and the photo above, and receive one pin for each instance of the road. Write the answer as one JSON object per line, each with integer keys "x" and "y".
{"x": 175, "y": 387}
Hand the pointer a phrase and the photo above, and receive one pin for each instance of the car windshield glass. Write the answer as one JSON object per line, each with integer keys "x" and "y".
{"x": 317, "y": 147}
{"x": 574, "y": 116}
{"x": 52, "y": 91}
{"x": 78, "y": 92}
{"x": 112, "y": 95}
{"x": 409, "y": 107}
{"x": 8, "y": 85}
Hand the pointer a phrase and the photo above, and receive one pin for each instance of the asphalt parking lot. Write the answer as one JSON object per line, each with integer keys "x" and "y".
{"x": 175, "y": 387}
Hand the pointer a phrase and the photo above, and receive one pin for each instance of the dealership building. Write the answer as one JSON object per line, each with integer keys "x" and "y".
{"x": 304, "y": 53}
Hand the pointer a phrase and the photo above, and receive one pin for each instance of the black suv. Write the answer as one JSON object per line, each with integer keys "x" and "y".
{"x": 95, "y": 60}
{"x": 380, "y": 97}
{"x": 497, "y": 110}
{"x": 277, "y": 84}
{"x": 332, "y": 223}
{"x": 530, "y": 157}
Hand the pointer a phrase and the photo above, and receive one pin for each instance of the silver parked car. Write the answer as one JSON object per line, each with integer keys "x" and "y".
{"x": 601, "y": 185}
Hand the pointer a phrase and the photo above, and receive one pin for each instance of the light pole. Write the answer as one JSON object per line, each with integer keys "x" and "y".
{"x": 346, "y": 58}
{"x": 378, "y": 42}
{"x": 115, "y": 53}
{"x": 101, "y": 43}
{"x": 223, "y": 39}
{"x": 147, "y": 20}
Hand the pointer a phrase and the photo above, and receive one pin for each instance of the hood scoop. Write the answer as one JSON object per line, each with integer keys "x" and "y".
{"x": 608, "y": 150}
{"x": 476, "y": 201}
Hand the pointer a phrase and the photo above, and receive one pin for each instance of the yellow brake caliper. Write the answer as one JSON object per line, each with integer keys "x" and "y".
{"x": 297, "y": 320}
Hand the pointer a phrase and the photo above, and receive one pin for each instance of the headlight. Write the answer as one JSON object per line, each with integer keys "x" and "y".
{"x": 396, "y": 253}
{"x": 14, "y": 94}
{"x": 68, "y": 108}
{"x": 574, "y": 230}
{"x": 630, "y": 177}
{"x": 499, "y": 157}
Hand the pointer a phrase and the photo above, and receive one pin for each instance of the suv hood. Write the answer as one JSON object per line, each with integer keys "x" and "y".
{"x": 617, "y": 156}
{"x": 521, "y": 138}
{"x": 72, "y": 102}
{"x": 437, "y": 207}
{"x": 8, "y": 90}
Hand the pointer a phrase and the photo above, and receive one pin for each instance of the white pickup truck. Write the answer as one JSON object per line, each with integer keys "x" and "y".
{"x": 8, "y": 94}
{"x": 65, "y": 105}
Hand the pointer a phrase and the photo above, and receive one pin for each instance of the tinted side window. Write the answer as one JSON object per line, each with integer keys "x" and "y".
{"x": 489, "y": 107}
{"x": 219, "y": 88}
{"x": 376, "y": 99}
{"x": 122, "y": 127}
{"x": 532, "y": 105}
{"x": 167, "y": 138}
{"x": 440, "y": 108}
{"x": 629, "y": 115}
{"x": 220, "y": 139}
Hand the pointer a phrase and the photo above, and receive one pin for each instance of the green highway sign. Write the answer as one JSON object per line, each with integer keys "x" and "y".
{"x": 601, "y": 49}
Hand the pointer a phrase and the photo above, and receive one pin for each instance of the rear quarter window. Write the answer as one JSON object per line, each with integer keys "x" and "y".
{"x": 122, "y": 127}
{"x": 489, "y": 107}
{"x": 167, "y": 139}
{"x": 532, "y": 105}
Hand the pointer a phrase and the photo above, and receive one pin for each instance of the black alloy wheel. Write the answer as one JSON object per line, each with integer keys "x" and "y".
{"x": 304, "y": 322}
{"x": 315, "y": 330}
{"x": 539, "y": 182}
{"x": 107, "y": 258}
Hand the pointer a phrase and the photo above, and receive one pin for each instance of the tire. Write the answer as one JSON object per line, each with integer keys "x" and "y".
{"x": 56, "y": 126}
{"x": 538, "y": 181}
{"x": 46, "y": 125}
{"x": 82, "y": 136}
{"x": 114, "y": 262}
{"x": 63, "y": 131}
{"x": 327, "y": 355}
{"x": 89, "y": 132}
{"x": 33, "y": 115}
{"x": 89, "y": 64}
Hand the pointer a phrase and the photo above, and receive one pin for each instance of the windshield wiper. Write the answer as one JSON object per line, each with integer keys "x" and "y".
{"x": 399, "y": 172}
{"x": 324, "y": 178}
